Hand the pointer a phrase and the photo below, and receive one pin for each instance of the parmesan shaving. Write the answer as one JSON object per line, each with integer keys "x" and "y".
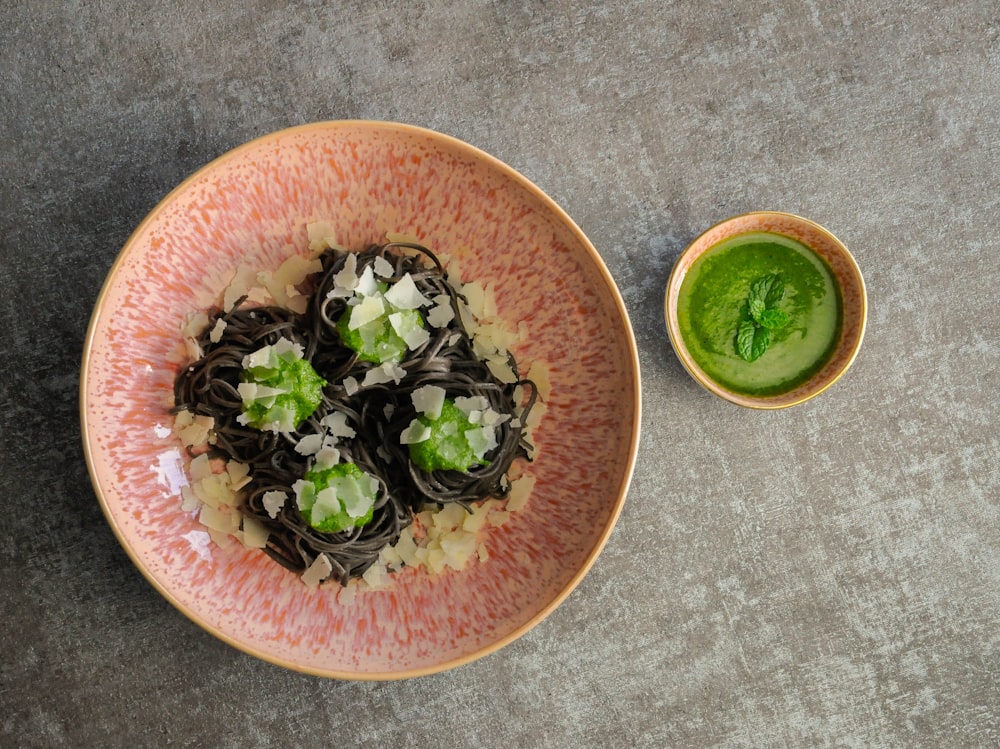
{"x": 318, "y": 571}
{"x": 273, "y": 502}
{"x": 499, "y": 518}
{"x": 440, "y": 315}
{"x": 327, "y": 457}
{"x": 239, "y": 474}
{"x": 453, "y": 271}
{"x": 392, "y": 236}
{"x": 520, "y": 490}
{"x": 416, "y": 432}
{"x": 195, "y": 430}
{"x": 194, "y": 325}
{"x": 376, "y": 577}
{"x": 347, "y": 278}
{"x": 468, "y": 404}
{"x": 376, "y": 376}
{"x": 244, "y": 279}
{"x": 192, "y": 349}
{"x": 290, "y": 274}
{"x": 200, "y": 468}
{"x": 383, "y": 267}
{"x": 429, "y": 400}
{"x": 254, "y": 534}
{"x": 347, "y": 594}
{"x": 416, "y": 338}
{"x": 221, "y": 520}
{"x": 221, "y": 539}
{"x": 367, "y": 285}
{"x": 501, "y": 370}
{"x": 322, "y": 234}
{"x": 371, "y": 308}
{"x": 336, "y": 424}
{"x": 217, "y": 330}
{"x": 405, "y": 295}
{"x": 189, "y": 501}
{"x": 310, "y": 444}
{"x": 475, "y": 297}
{"x": 538, "y": 373}
{"x": 467, "y": 318}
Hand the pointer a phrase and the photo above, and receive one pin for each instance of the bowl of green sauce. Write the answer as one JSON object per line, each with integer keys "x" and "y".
{"x": 766, "y": 309}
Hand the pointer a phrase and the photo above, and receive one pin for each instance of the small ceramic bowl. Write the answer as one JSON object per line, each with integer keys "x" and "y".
{"x": 251, "y": 207}
{"x": 845, "y": 273}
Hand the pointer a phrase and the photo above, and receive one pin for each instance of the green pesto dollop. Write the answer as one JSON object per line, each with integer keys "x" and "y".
{"x": 454, "y": 442}
{"x": 337, "y": 497}
{"x": 384, "y": 338}
{"x": 711, "y": 306}
{"x": 279, "y": 388}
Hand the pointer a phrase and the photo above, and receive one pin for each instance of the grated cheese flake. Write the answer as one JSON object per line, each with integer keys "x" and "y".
{"x": 367, "y": 285}
{"x": 501, "y": 369}
{"x": 194, "y": 430}
{"x": 221, "y": 520}
{"x": 538, "y": 373}
{"x": 336, "y": 424}
{"x": 217, "y": 330}
{"x": 318, "y": 571}
{"x": 416, "y": 432}
{"x": 201, "y": 467}
{"x": 428, "y": 400}
{"x": 371, "y": 308}
{"x": 239, "y": 474}
{"x": 404, "y": 294}
{"x": 520, "y": 491}
{"x": 475, "y": 297}
{"x": 273, "y": 502}
{"x": 382, "y": 267}
{"x": 499, "y": 518}
{"x": 254, "y": 534}
{"x": 321, "y": 234}
{"x": 194, "y": 325}
{"x": 309, "y": 445}
{"x": 347, "y": 277}
{"x": 441, "y": 314}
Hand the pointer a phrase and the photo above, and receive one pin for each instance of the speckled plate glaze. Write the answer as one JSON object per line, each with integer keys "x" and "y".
{"x": 252, "y": 206}
{"x": 845, "y": 272}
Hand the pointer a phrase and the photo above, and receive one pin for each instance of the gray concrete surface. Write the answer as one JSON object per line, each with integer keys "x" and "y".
{"x": 821, "y": 577}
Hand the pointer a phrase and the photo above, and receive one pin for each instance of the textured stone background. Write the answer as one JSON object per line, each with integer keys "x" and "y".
{"x": 826, "y": 576}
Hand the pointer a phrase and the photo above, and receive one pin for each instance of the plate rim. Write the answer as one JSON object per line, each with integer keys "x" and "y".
{"x": 523, "y": 182}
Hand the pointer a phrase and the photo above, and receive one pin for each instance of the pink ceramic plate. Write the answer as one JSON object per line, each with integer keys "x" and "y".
{"x": 252, "y": 206}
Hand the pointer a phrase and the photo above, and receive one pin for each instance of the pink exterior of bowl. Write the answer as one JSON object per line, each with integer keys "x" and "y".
{"x": 845, "y": 271}
{"x": 252, "y": 206}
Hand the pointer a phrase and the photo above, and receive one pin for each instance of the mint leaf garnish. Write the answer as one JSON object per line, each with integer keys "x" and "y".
{"x": 768, "y": 289}
{"x": 752, "y": 340}
{"x": 772, "y": 319}
{"x": 775, "y": 292}
{"x": 759, "y": 316}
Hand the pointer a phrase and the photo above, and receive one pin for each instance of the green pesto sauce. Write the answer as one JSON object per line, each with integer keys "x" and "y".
{"x": 448, "y": 447}
{"x": 709, "y": 312}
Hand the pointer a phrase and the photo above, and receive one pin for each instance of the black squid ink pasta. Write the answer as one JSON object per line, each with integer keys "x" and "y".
{"x": 377, "y": 412}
